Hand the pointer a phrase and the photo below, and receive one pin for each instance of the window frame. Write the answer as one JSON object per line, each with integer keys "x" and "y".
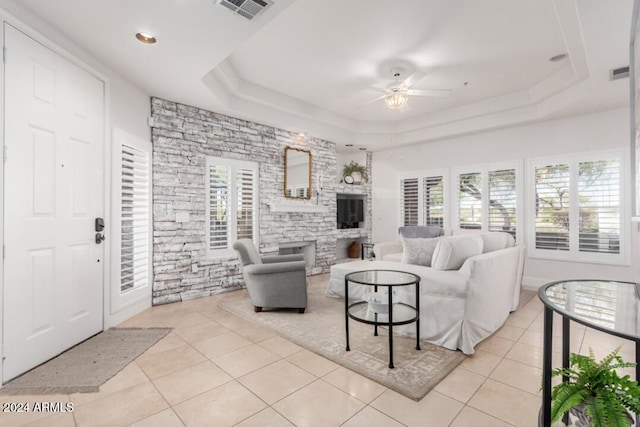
{"x": 420, "y": 176}
{"x": 232, "y": 228}
{"x": 574, "y": 254}
{"x": 484, "y": 169}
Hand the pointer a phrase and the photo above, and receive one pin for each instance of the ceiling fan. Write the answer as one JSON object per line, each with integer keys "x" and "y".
{"x": 397, "y": 94}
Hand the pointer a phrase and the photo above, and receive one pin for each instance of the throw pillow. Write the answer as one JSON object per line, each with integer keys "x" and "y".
{"x": 452, "y": 252}
{"x": 418, "y": 251}
{"x": 496, "y": 240}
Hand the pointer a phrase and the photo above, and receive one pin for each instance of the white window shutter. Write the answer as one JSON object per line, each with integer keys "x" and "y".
{"x": 135, "y": 214}
{"x": 219, "y": 194}
{"x": 433, "y": 200}
{"x": 409, "y": 205}
{"x": 552, "y": 206}
{"x": 245, "y": 213}
{"x": 502, "y": 201}
{"x": 599, "y": 204}
{"x": 470, "y": 200}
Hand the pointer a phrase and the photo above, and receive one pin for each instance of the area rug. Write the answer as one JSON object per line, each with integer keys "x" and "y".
{"x": 88, "y": 365}
{"x": 321, "y": 330}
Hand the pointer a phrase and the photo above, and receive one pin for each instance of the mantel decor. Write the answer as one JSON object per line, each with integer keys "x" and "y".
{"x": 355, "y": 170}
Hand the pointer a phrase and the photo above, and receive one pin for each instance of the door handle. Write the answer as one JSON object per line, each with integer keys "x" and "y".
{"x": 99, "y": 238}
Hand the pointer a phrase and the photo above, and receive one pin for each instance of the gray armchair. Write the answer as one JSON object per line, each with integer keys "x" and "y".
{"x": 274, "y": 281}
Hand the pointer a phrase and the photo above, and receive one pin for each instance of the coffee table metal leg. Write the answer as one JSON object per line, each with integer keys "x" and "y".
{"x": 375, "y": 316}
{"x": 390, "y": 331}
{"x": 418, "y": 315}
{"x": 346, "y": 310}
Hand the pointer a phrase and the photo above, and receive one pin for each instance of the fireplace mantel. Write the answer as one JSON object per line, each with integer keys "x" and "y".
{"x": 295, "y": 207}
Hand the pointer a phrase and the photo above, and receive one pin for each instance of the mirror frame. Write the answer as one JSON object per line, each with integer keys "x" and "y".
{"x": 286, "y": 157}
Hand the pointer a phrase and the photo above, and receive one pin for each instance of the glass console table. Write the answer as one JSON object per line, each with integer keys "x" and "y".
{"x": 390, "y": 314}
{"x": 608, "y": 306}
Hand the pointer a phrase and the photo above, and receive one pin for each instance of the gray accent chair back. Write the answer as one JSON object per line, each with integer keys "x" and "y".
{"x": 420, "y": 231}
{"x": 275, "y": 281}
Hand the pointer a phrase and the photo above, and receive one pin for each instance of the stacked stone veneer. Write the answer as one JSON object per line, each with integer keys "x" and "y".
{"x": 183, "y": 137}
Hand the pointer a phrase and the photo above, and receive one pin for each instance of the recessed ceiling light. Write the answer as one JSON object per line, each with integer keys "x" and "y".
{"x": 348, "y": 145}
{"x": 362, "y": 148}
{"x": 146, "y": 38}
{"x": 559, "y": 57}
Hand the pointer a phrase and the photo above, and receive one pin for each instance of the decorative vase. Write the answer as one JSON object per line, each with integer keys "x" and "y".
{"x": 354, "y": 250}
{"x": 583, "y": 420}
{"x": 357, "y": 177}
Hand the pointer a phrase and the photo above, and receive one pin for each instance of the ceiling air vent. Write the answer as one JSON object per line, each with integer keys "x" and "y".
{"x": 247, "y": 8}
{"x": 619, "y": 73}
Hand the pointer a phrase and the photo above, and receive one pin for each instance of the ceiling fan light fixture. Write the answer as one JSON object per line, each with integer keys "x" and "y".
{"x": 396, "y": 98}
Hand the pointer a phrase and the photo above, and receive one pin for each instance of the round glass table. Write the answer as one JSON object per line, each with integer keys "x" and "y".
{"x": 380, "y": 309}
{"x": 608, "y": 306}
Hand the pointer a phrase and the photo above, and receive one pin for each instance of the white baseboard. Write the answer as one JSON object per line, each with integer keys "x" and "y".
{"x": 534, "y": 282}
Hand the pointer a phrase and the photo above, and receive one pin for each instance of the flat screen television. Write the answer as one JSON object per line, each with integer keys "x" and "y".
{"x": 350, "y": 213}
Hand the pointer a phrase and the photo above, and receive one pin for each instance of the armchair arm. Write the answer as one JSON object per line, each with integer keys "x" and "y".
{"x": 282, "y": 258}
{"x": 274, "y": 268}
{"x": 385, "y": 248}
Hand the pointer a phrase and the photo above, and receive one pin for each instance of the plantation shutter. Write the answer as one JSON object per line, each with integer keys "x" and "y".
{"x": 470, "y": 201}
{"x": 219, "y": 204}
{"x": 245, "y": 184}
{"x": 135, "y": 214}
{"x": 409, "y": 206}
{"x": 502, "y": 201}
{"x": 552, "y": 188}
{"x": 433, "y": 200}
{"x": 599, "y": 204}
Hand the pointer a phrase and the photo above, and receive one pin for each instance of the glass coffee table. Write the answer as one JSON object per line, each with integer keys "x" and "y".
{"x": 381, "y": 310}
{"x": 605, "y": 305}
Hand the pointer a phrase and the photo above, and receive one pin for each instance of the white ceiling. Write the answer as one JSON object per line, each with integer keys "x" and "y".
{"x": 313, "y": 66}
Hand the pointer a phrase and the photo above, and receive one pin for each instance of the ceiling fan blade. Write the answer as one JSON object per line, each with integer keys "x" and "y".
{"x": 430, "y": 92}
{"x": 374, "y": 100}
{"x": 413, "y": 78}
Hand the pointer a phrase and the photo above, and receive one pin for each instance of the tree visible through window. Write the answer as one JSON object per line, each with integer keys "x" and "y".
{"x": 581, "y": 197}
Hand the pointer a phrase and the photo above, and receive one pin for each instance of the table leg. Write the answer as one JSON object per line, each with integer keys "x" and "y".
{"x": 566, "y": 352}
{"x": 418, "y": 315}
{"x": 546, "y": 367}
{"x": 375, "y": 316}
{"x": 346, "y": 310}
{"x": 390, "y": 330}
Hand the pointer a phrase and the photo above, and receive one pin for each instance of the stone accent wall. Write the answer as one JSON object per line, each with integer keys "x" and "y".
{"x": 183, "y": 136}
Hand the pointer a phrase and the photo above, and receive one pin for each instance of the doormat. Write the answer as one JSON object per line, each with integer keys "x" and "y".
{"x": 88, "y": 365}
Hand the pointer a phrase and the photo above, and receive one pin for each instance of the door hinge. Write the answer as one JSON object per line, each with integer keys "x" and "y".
{"x": 4, "y": 153}
{"x": 4, "y": 251}
{"x": 4, "y": 54}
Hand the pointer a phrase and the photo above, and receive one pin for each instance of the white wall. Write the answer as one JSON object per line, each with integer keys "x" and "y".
{"x": 591, "y": 132}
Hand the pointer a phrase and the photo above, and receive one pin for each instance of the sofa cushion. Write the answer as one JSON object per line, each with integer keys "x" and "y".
{"x": 452, "y": 252}
{"x": 497, "y": 240}
{"x": 418, "y": 251}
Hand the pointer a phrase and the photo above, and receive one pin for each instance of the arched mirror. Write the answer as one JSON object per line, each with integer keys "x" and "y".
{"x": 297, "y": 173}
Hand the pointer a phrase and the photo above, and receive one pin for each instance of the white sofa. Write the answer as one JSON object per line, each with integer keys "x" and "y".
{"x": 466, "y": 293}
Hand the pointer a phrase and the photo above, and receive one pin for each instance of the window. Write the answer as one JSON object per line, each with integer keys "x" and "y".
{"x": 409, "y": 201}
{"x": 422, "y": 198}
{"x": 488, "y": 198}
{"x": 576, "y": 207}
{"x": 135, "y": 213}
{"x": 231, "y": 209}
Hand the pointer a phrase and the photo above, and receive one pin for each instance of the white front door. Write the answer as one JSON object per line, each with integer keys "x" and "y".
{"x": 54, "y": 191}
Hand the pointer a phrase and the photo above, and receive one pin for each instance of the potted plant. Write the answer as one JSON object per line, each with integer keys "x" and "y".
{"x": 355, "y": 170}
{"x": 594, "y": 392}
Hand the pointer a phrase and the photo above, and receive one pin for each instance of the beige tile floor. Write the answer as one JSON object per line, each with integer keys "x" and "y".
{"x": 215, "y": 369}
